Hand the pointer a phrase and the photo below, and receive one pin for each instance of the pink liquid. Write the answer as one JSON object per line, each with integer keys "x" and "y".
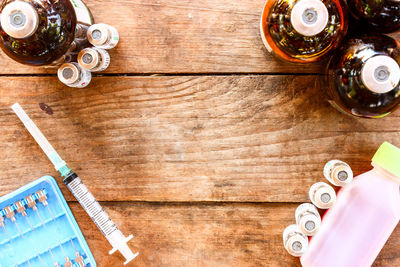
{"x": 355, "y": 229}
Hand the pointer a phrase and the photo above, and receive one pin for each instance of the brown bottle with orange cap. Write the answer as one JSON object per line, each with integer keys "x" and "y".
{"x": 303, "y": 30}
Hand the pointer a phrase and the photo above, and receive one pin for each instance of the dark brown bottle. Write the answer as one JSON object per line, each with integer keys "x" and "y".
{"x": 37, "y": 32}
{"x": 363, "y": 76}
{"x": 303, "y": 30}
{"x": 380, "y": 15}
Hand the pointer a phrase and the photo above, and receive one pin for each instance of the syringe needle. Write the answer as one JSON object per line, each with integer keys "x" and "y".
{"x": 20, "y": 208}
{"x": 8, "y": 235}
{"x": 42, "y": 197}
{"x": 73, "y": 245}
{"x": 40, "y": 218}
{"x": 11, "y": 217}
{"x": 80, "y": 191}
{"x": 19, "y": 230}
{"x": 54, "y": 259}
{"x": 79, "y": 259}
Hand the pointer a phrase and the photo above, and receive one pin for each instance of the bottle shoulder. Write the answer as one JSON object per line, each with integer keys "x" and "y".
{"x": 375, "y": 186}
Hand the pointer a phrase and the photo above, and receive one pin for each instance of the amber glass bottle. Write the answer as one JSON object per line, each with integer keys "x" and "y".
{"x": 363, "y": 76}
{"x": 303, "y": 30}
{"x": 37, "y": 32}
{"x": 380, "y": 15}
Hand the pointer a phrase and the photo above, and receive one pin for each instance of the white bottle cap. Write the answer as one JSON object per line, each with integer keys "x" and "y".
{"x": 98, "y": 34}
{"x": 308, "y": 219}
{"x": 322, "y": 195}
{"x": 295, "y": 242}
{"x": 74, "y": 75}
{"x": 68, "y": 73}
{"x": 89, "y": 58}
{"x": 309, "y": 224}
{"x": 19, "y": 19}
{"x": 338, "y": 172}
{"x": 380, "y": 74}
{"x": 103, "y": 36}
{"x": 309, "y": 17}
{"x": 94, "y": 59}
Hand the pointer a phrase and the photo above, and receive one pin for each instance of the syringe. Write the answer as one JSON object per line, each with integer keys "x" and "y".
{"x": 80, "y": 191}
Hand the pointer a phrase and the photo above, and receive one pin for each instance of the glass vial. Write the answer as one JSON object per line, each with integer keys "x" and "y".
{"x": 103, "y": 36}
{"x": 73, "y": 75}
{"x": 322, "y": 195}
{"x": 338, "y": 172}
{"x": 94, "y": 59}
{"x": 295, "y": 241}
{"x": 363, "y": 76}
{"x": 303, "y": 30}
{"x": 308, "y": 219}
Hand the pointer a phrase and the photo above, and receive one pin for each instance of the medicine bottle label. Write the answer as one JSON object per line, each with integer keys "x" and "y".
{"x": 82, "y": 12}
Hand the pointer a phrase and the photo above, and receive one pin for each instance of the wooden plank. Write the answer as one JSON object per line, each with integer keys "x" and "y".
{"x": 183, "y": 37}
{"x": 195, "y": 235}
{"x": 215, "y": 138}
{"x": 205, "y": 235}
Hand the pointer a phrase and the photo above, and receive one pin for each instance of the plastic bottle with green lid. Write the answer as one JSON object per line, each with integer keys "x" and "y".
{"x": 367, "y": 210}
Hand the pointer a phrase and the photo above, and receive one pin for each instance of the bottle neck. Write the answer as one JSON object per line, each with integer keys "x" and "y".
{"x": 386, "y": 173}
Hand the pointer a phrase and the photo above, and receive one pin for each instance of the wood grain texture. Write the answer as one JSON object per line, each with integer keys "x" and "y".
{"x": 189, "y": 164}
{"x": 184, "y": 36}
{"x": 206, "y": 138}
{"x": 206, "y": 235}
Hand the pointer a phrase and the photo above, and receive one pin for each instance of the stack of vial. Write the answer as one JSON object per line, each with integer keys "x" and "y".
{"x": 308, "y": 218}
{"x": 90, "y": 59}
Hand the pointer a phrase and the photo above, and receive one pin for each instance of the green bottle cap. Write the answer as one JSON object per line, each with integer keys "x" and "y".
{"x": 388, "y": 157}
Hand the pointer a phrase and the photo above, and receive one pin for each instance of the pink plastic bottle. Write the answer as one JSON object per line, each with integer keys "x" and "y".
{"x": 367, "y": 210}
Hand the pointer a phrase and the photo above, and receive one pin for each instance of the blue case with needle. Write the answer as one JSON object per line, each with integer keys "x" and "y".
{"x": 37, "y": 229}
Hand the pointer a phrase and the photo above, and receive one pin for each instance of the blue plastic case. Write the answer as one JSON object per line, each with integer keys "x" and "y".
{"x": 41, "y": 236}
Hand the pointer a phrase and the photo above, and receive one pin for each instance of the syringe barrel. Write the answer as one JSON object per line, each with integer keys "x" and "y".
{"x": 90, "y": 205}
{"x": 114, "y": 236}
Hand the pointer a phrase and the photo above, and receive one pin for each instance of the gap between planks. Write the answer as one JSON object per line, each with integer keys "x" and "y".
{"x": 217, "y": 74}
{"x": 196, "y": 203}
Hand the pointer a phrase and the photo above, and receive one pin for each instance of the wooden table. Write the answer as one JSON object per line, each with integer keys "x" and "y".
{"x": 195, "y": 140}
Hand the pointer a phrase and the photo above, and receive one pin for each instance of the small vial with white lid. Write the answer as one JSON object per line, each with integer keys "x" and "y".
{"x": 338, "y": 172}
{"x": 74, "y": 75}
{"x": 308, "y": 219}
{"x": 94, "y": 59}
{"x": 294, "y": 241}
{"x": 103, "y": 36}
{"x": 322, "y": 195}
